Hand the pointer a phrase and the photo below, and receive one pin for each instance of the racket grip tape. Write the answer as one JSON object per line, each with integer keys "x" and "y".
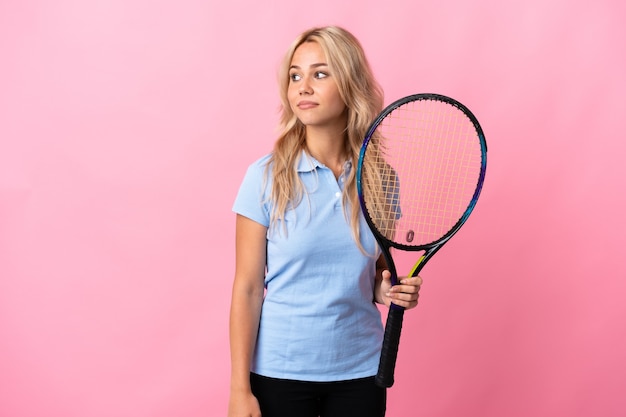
{"x": 389, "y": 352}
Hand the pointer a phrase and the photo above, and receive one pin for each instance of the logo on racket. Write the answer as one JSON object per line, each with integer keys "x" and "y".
{"x": 410, "y": 235}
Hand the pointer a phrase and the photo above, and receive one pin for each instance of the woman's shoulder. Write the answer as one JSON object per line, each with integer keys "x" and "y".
{"x": 260, "y": 165}
{"x": 263, "y": 161}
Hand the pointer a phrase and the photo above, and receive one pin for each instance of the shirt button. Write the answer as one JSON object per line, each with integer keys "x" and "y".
{"x": 337, "y": 194}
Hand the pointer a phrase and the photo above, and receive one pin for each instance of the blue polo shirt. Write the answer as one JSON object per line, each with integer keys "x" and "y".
{"x": 318, "y": 320}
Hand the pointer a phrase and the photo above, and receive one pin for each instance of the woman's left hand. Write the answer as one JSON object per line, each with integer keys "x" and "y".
{"x": 404, "y": 294}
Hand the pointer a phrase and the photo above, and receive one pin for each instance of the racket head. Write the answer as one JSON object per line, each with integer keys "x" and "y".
{"x": 420, "y": 171}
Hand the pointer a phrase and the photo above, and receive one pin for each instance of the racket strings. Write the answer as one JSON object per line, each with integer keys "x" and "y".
{"x": 427, "y": 160}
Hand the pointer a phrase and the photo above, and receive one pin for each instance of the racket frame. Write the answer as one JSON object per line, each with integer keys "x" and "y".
{"x": 393, "y": 327}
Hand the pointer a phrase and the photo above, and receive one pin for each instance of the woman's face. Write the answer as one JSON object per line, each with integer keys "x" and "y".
{"x": 313, "y": 93}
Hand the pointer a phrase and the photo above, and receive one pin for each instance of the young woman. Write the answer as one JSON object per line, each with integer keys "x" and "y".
{"x": 305, "y": 332}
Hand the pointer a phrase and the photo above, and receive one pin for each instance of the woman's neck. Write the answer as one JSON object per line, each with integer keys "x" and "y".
{"x": 328, "y": 148}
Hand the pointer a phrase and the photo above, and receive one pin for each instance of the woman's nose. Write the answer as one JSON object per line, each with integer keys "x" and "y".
{"x": 305, "y": 87}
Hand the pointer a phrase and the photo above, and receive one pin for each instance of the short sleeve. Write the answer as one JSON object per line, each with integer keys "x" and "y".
{"x": 250, "y": 201}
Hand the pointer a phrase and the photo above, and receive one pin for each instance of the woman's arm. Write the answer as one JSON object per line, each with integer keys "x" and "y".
{"x": 245, "y": 312}
{"x": 381, "y": 266}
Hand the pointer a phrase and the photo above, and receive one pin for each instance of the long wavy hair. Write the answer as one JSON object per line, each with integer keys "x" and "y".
{"x": 363, "y": 98}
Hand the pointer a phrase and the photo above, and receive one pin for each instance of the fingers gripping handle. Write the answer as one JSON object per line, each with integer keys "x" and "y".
{"x": 389, "y": 352}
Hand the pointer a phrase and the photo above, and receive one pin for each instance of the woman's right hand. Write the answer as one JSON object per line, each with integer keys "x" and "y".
{"x": 243, "y": 404}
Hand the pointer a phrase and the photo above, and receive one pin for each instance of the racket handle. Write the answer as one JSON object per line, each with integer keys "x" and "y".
{"x": 389, "y": 352}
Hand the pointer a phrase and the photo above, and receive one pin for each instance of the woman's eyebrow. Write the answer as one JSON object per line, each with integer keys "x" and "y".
{"x": 321, "y": 64}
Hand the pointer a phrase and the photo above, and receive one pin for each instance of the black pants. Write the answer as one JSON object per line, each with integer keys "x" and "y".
{"x": 288, "y": 398}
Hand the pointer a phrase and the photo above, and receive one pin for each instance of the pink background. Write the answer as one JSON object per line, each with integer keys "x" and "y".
{"x": 126, "y": 127}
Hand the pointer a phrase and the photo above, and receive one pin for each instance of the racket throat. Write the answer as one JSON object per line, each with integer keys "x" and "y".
{"x": 417, "y": 267}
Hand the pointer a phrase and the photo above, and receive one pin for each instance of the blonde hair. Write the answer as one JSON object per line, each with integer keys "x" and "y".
{"x": 363, "y": 98}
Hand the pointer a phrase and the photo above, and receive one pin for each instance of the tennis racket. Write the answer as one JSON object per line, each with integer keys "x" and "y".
{"x": 420, "y": 172}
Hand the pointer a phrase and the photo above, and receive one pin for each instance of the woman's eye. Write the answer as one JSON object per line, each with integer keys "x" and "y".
{"x": 320, "y": 74}
{"x": 294, "y": 77}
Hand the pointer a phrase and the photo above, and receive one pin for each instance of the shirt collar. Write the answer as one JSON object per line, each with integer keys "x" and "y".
{"x": 307, "y": 163}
